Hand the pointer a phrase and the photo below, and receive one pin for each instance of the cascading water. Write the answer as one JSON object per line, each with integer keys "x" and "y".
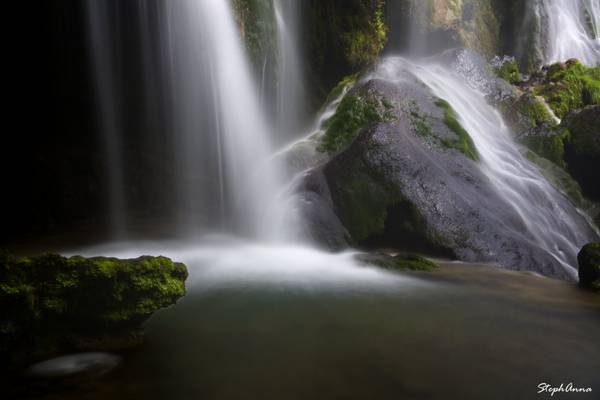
{"x": 102, "y": 45}
{"x": 552, "y": 222}
{"x": 210, "y": 115}
{"x": 290, "y": 92}
{"x": 242, "y": 134}
{"x": 572, "y": 30}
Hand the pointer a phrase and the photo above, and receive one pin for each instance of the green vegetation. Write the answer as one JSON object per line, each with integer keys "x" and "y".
{"x": 551, "y": 147}
{"x": 363, "y": 203}
{"x": 256, "y": 20}
{"x": 463, "y": 142}
{"x": 570, "y": 86}
{"x": 345, "y": 83}
{"x": 509, "y": 71}
{"x": 560, "y": 179}
{"x": 585, "y": 132}
{"x": 364, "y": 43}
{"x": 55, "y": 299}
{"x": 402, "y": 261}
{"x": 419, "y": 121}
{"x": 589, "y": 266}
{"x": 356, "y": 111}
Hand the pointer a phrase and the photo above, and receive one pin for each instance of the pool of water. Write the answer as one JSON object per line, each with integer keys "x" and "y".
{"x": 264, "y": 322}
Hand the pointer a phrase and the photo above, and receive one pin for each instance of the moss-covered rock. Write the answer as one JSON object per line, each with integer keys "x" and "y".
{"x": 582, "y": 152}
{"x": 256, "y": 21}
{"x": 357, "y": 110}
{"x": 343, "y": 85}
{"x": 399, "y": 262}
{"x": 463, "y": 141}
{"x": 507, "y": 68}
{"x": 526, "y": 113}
{"x": 550, "y": 145}
{"x": 569, "y": 86}
{"x": 571, "y": 91}
{"x": 52, "y": 303}
{"x": 561, "y": 180}
{"x": 589, "y": 266}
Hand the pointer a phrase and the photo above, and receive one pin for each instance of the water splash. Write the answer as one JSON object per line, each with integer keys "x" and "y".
{"x": 572, "y": 30}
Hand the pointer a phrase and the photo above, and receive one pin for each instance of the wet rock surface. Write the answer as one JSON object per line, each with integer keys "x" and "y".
{"x": 412, "y": 183}
{"x": 52, "y": 304}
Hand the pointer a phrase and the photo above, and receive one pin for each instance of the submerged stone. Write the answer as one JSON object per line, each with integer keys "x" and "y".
{"x": 82, "y": 363}
{"x": 401, "y": 261}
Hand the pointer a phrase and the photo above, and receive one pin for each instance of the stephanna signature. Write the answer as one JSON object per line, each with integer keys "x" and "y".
{"x": 568, "y": 388}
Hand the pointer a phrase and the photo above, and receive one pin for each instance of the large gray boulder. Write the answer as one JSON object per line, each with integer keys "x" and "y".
{"x": 413, "y": 182}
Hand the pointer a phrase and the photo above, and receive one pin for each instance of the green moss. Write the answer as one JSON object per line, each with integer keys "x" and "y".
{"x": 535, "y": 111}
{"x": 256, "y": 21}
{"x": 363, "y": 207}
{"x": 402, "y": 261}
{"x": 585, "y": 132}
{"x": 570, "y": 86}
{"x": 560, "y": 179}
{"x": 509, "y": 71}
{"x": 551, "y": 147}
{"x": 343, "y": 85}
{"x": 413, "y": 262}
{"x": 52, "y": 297}
{"x": 419, "y": 121}
{"x": 355, "y": 112}
{"x": 463, "y": 142}
{"x": 366, "y": 38}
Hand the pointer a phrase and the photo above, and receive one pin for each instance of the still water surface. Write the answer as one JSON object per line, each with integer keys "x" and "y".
{"x": 282, "y": 322}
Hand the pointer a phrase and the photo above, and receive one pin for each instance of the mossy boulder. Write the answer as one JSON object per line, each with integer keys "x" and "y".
{"x": 463, "y": 141}
{"x": 589, "y": 266}
{"x": 561, "y": 180}
{"x": 397, "y": 262}
{"x": 527, "y": 113}
{"x": 413, "y": 184}
{"x": 582, "y": 152}
{"x": 358, "y": 109}
{"x": 507, "y": 68}
{"x": 569, "y": 86}
{"x": 52, "y": 303}
{"x": 549, "y": 144}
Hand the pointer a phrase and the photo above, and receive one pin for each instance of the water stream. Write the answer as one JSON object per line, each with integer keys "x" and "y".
{"x": 551, "y": 221}
{"x": 572, "y": 30}
{"x": 289, "y": 322}
{"x": 269, "y": 318}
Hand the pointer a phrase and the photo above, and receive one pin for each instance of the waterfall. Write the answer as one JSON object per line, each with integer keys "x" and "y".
{"x": 201, "y": 114}
{"x": 102, "y": 43}
{"x": 290, "y": 92}
{"x": 552, "y": 222}
{"x": 572, "y": 30}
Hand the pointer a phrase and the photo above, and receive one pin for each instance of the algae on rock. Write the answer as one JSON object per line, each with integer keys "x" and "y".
{"x": 52, "y": 303}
